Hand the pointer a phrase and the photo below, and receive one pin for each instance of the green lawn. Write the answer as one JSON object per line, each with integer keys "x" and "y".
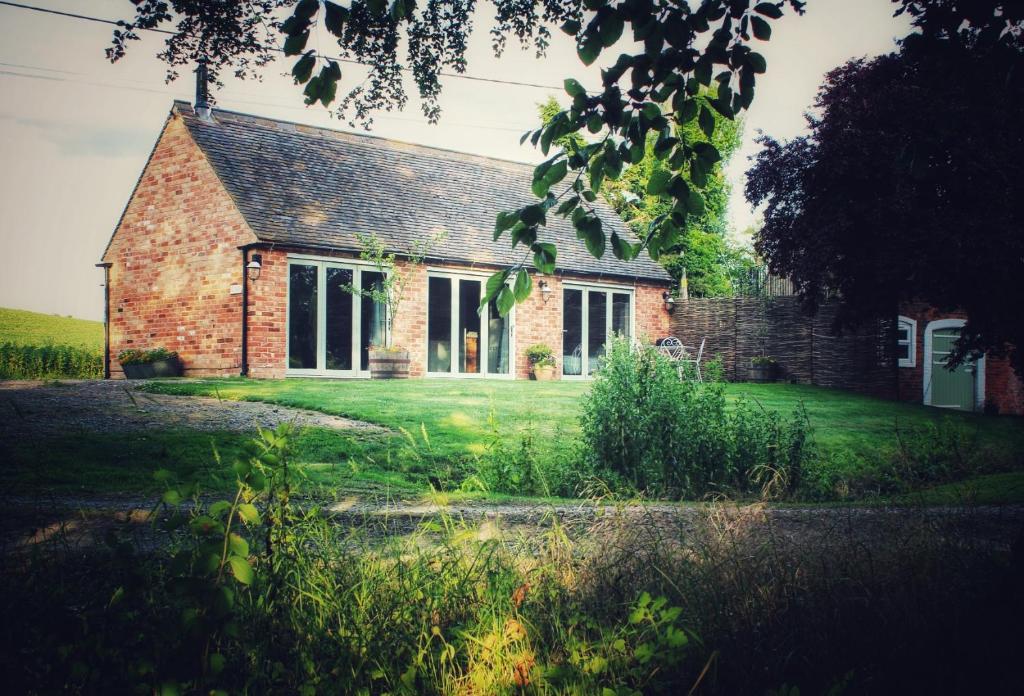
{"x": 34, "y": 329}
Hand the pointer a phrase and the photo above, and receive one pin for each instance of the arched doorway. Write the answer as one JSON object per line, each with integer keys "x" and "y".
{"x": 962, "y": 388}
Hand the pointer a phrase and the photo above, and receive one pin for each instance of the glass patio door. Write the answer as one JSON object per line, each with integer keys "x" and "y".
{"x": 590, "y": 316}
{"x": 462, "y": 340}
{"x": 330, "y": 328}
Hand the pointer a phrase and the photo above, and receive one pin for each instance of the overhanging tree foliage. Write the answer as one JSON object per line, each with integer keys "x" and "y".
{"x": 909, "y": 186}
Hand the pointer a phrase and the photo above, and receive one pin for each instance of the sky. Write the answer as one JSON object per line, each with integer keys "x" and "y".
{"x": 75, "y": 131}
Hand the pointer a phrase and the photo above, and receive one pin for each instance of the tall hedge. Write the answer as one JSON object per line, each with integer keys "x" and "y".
{"x": 49, "y": 362}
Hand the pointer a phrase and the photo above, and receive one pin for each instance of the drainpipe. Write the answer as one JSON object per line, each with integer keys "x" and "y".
{"x": 106, "y": 318}
{"x": 245, "y": 312}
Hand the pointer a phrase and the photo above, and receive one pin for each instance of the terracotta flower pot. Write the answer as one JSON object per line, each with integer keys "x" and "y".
{"x": 389, "y": 364}
{"x": 543, "y": 373}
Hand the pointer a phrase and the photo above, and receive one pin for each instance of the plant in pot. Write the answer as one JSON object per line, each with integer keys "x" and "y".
{"x": 542, "y": 362}
{"x": 388, "y": 361}
{"x": 763, "y": 368}
{"x": 146, "y": 364}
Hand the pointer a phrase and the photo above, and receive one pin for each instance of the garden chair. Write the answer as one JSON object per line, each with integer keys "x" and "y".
{"x": 672, "y": 348}
{"x": 573, "y": 364}
{"x": 697, "y": 355}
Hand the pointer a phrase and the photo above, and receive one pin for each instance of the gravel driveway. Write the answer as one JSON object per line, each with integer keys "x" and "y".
{"x": 48, "y": 408}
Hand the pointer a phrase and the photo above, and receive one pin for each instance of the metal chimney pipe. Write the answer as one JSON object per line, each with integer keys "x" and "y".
{"x": 202, "y": 103}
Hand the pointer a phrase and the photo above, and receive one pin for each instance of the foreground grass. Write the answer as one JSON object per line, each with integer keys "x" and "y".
{"x": 34, "y": 329}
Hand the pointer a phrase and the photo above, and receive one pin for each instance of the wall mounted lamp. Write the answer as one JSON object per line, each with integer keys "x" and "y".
{"x": 253, "y": 268}
{"x": 545, "y": 291}
{"x": 670, "y": 302}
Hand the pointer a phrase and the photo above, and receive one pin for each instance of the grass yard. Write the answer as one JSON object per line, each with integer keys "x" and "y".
{"x": 853, "y": 432}
{"x": 34, "y": 329}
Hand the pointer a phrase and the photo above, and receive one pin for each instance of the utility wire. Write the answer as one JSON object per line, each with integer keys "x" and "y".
{"x": 112, "y": 22}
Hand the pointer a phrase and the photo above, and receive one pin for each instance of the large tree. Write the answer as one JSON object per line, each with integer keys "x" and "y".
{"x": 910, "y": 186}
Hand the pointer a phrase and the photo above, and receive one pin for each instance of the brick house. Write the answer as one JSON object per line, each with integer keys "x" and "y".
{"x": 924, "y": 337}
{"x": 222, "y": 190}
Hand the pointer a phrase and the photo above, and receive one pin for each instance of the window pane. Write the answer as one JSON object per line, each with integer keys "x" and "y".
{"x": 597, "y": 328}
{"x": 302, "y": 317}
{"x": 903, "y": 333}
{"x": 339, "y": 319}
{"x": 469, "y": 326}
{"x": 439, "y": 325}
{"x": 498, "y": 338}
{"x": 373, "y": 317}
{"x": 572, "y": 332}
{"x": 621, "y": 323}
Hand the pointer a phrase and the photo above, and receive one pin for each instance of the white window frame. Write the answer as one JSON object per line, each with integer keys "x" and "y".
{"x": 456, "y": 349}
{"x": 911, "y": 325}
{"x": 979, "y": 380}
{"x": 357, "y": 266}
{"x": 609, "y": 289}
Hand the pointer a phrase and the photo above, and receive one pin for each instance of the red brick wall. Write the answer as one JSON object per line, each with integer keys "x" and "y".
{"x": 174, "y": 257}
{"x": 268, "y": 312}
{"x": 1002, "y": 387}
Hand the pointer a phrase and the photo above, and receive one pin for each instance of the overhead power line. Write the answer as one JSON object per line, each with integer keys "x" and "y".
{"x": 112, "y": 22}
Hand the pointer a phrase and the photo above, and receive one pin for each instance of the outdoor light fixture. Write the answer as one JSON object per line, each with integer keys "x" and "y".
{"x": 670, "y": 302}
{"x": 253, "y": 268}
{"x": 545, "y": 291}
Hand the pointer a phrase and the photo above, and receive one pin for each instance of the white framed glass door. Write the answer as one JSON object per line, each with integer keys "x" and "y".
{"x": 462, "y": 340}
{"x": 330, "y": 328}
{"x": 590, "y": 316}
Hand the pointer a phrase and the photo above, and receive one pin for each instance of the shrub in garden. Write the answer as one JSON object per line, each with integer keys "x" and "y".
{"x": 646, "y": 429}
{"x": 49, "y": 362}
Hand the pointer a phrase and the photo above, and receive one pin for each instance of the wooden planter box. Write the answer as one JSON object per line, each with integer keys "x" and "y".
{"x": 389, "y": 364}
{"x": 763, "y": 373}
{"x": 159, "y": 368}
{"x": 544, "y": 373}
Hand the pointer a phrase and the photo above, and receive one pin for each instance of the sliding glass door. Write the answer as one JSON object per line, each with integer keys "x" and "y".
{"x": 590, "y": 315}
{"x": 330, "y": 327}
{"x": 462, "y": 340}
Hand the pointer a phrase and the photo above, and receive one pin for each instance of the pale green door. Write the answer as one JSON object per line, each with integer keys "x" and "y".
{"x": 951, "y": 388}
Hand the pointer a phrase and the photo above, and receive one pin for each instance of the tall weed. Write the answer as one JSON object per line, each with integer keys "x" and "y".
{"x": 49, "y": 362}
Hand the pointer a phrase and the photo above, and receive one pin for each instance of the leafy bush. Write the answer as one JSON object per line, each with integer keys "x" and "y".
{"x": 540, "y": 355}
{"x": 134, "y": 356}
{"x": 646, "y": 429}
{"x": 49, "y": 362}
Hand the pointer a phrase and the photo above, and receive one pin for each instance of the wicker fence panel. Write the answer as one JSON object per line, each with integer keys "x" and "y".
{"x": 805, "y": 347}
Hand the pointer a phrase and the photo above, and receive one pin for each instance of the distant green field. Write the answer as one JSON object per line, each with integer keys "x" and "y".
{"x": 35, "y": 329}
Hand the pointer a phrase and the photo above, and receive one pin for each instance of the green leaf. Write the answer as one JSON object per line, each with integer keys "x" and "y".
{"x": 171, "y": 496}
{"x": 756, "y": 62}
{"x": 312, "y": 91}
{"x": 768, "y": 9}
{"x": 611, "y": 29}
{"x": 238, "y": 545}
{"x": 306, "y": 8}
{"x": 706, "y": 120}
{"x": 762, "y": 29}
{"x": 506, "y": 300}
{"x": 658, "y": 182}
{"x": 532, "y": 215}
{"x": 695, "y": 202}
{"x": 494, "y": 285}
{"x": 574, "y": 88}
{"x": 621, "y": 248}
{"x": 571, "y": 27}
{"x": 567, "y": 206}
{"x": 249, "y": 513}
{"x": 504, "y": 221}
{"x": 335, "y": 17}
{"x": 217, "y": 663}
{"x": 524, "y": 284}
{"x": 296, "y": 43}
{"x": 241, "y": 569}
{"x": 707, "y": 152}
{"x": 544, "y": 257}
{"x": 376, "y": 7}
{"x": 303, "y": 69}
{"x": 162, "y": 475}
{"x": 589, "y": 49}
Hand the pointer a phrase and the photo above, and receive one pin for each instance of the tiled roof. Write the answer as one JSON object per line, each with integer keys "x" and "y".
{"x": 311, "y": 187}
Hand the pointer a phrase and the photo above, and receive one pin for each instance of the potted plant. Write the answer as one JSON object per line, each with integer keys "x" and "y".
{"x": 542, "y": 362}
{"x": 146, "y": 364}
{"x": 763, "y": 368}
{"x": 388, "y": 361}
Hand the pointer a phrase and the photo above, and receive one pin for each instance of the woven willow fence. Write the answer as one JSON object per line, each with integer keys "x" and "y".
{"x": 805, "y": 348}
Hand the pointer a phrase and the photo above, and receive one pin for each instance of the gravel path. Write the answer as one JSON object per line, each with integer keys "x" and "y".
{"x": 48, "y": 408}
